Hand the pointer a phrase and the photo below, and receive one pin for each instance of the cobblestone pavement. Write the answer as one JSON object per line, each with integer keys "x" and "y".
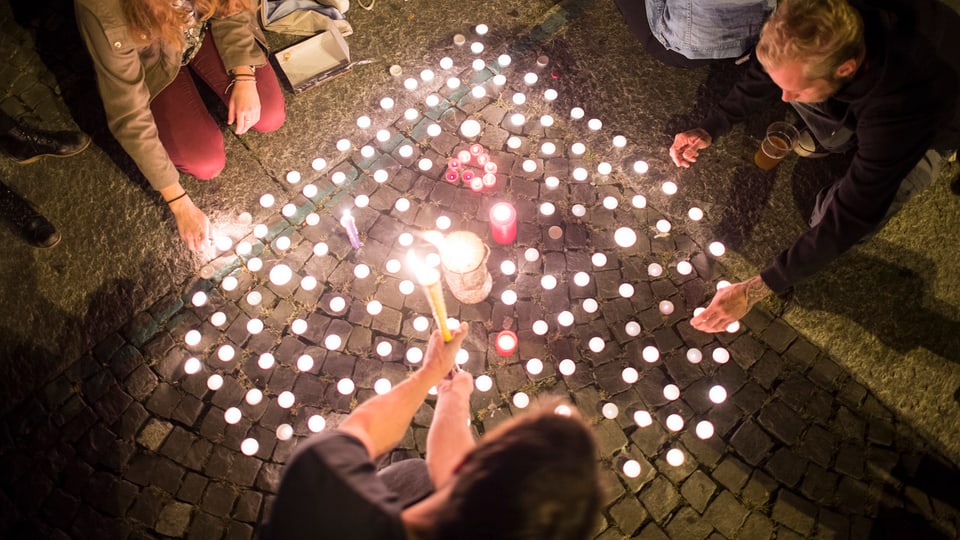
{"x": 178, "y": 425}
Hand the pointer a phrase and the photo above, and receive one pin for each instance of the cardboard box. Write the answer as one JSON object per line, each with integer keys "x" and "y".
{"x": 314, "y": 60}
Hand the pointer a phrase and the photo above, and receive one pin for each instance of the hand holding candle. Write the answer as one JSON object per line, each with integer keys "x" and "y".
{"x": 429, "y": 279}
{"x": 440, "y": 359}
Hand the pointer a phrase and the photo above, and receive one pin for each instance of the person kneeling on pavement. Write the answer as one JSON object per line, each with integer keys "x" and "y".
{"x": 534, "y": 476}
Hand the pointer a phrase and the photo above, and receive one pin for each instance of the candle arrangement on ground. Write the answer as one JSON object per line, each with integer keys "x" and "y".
{"x": 439, "y": 155}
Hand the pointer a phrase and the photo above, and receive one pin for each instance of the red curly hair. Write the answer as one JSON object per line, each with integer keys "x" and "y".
{"x": 160, "y": 20}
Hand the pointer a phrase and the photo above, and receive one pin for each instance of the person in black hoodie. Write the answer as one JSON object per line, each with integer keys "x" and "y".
{"x": 878, "y": 77}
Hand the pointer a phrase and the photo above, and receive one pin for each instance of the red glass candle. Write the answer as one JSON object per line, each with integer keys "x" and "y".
{"x": 483, "y": 159}
{"x": 503, "y": 223}
{"x": 490, "y": 167}
{"x": 467, "y": 175}
{"x": 476, "y": 149}
{"x": 489, "y": 180}
{"x": 453, "y": 163}
{"x": 506, "y": 342}
{"x": 451, "y": 175}
{"x": 464, "y": 156}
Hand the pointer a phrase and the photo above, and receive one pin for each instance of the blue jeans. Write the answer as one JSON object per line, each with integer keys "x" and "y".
{"x": 706, "y": 29}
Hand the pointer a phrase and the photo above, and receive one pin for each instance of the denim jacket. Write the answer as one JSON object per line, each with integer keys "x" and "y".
{"x": 706, "y": 29}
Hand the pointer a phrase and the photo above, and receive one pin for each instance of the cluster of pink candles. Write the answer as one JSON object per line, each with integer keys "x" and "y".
{"x": 478, "y": 179}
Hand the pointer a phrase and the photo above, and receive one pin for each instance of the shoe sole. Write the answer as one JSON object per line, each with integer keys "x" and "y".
{"x": 38, "y": 157}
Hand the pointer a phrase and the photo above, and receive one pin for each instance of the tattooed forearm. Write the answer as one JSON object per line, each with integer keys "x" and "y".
{"x": 756, "y": 290}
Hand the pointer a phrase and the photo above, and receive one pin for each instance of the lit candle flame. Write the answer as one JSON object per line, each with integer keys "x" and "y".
{"x": 429, "y": 279}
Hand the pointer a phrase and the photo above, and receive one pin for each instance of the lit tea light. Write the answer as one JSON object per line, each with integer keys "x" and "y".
{"x": 619, "y": 141}
{"x": 446, "y": 62}
{"x": 425, "y": 164}
{"x": 267, "y": 200}
{"x": 721, "y": 355}
{"x": 666, "y": 307}
{"x": 320, "y": 249}
{"x": 224, "y": 243}
{"x": 514, "y": 142}
{"x": 716, "y": 249}
{"x": 529, "y": 165}
{"x": 254, "y": 264}
{"x": 387, "y": 103}
{"x": 338, "y": 177}
{"x": 286, "y": 399}
{"x": 305, "y": 362}
{"x": 534, "y": 366}
{"x": 625, "y": 237}
{"x": 361, "y": 271}
{"x": 405, "y": 151}
{"x": 232, "y": 415}
{"x": 521, "y": 400}
{"x": 531, "y": 254}
{"x": 503, "y": 223}
{"x": 504, "y": 60}
{"x": 402, "y": 204}
{"x": 663, "y": 226}
{"x": 675, "y": 457}
{"x": 363, "y": 122}
{"x": 254, "y": 396}
{"x": 654, "y": 270}
{"x": 476, "y": 47}
{"x": 695, "y": 214}
{"x": 674, "y": 422}
{"x": 421, "y": 323}
{"x": 733, "y": 327}
{"x": 462, "y": 356}
{"x": 192, "y": 366}
{"x": 540, "y": 327}
{"x": 332, "y": 342}
{"x": 192, "y": 337}
{"x": 282, "y": 243}
{"x": 546, "y": 120}
{"x": 506, "y": 342}
{"x": 405, "y": 239}
{"x": 630, "y": 375}
{"x": 281, "y": 274}
{"x": 374, "y": 307}
{"x": 411, "y": 114}
{"x": 694, "y": 356}
{"x": 432, "y": 100}
{"x": 548, "y": 209}
{"x": 631, "y": 468}
{"x": 598, "y": 259}
{"x": 626, "y": 290}
{"x": 722, "y": 284}
{"x": 704, "y": 429}
{"x": 406, "y": 287}
{"x": 316, "y": 423}
{"x": 508, "y": 297}
{"x": 632, "y": 328}
{"x": 563, "y": 410}
{"x": 380, "y": 176}
{"x": 229, "y": 283}
{"x": 249, "y": 446}
{"x": 671, "y": 392}
{"x": 610, "y": 410}
{"x": 254, "y": 326}
{"x": 639, "y": 201}
{"x": 597, "y": 344}
{"x": 310, "y": 191}
{"x": 215, "y": 382}
{"x": 382, "y": 385}
{"x": 642, "y": 418}
{"x": 548, "y": 148}
{"x": 590, "y": 305}
{"x": 717, "y": 394}
{"x": 581, "y": 279}
{"x": 427, "y": 75}
{"x": 470, "y": 128}
{"x": 594, "y": 124}
{"x": 245, "y": 248}
{"x": 604, "y": 168}
{"x": 610, "y": 202}
{"x": 284, "y": 432}
{"x": 266, "y": 361}
{"x": 580, "y": 174}
{"x": 530, "y": 79}
{"x": 670, "y": 188}
{"x": 698, "y": 311}
{"x": 550, "y": 94}
{"x": 650, "y": 354}
{"x": 578, "y": 210}
{"x": 346, "y": 386}
{"x": 481, "y": 29}
{"x": 567, "y": 367}
{"x": 577, "y": 113}
{"x": 483, "y": 383}
{"x": 318, "y": 164}
{"x": 226, "y": 353}
{"x": 218, "y": 318}
{"x": 684, "y": 268}
{"x": 414, "y": 355}
{"x": 578, "y": 148}
{"x": 565, "y": 318}
{"x": 344, "y": 144}
{"x": 453, "y": 83}
{"x": 499, "y": 80}
{"x": 508, "y": 268}
{"x": 518, "y": 119}
{"x": 298, "y": 326}
{"x": 410, "y": 84}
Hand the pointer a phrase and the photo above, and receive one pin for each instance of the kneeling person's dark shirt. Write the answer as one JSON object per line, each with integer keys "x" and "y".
{"x": 330, "y": 490}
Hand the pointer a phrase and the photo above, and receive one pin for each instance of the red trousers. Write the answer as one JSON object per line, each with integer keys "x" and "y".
{"x": 191, "y": 136}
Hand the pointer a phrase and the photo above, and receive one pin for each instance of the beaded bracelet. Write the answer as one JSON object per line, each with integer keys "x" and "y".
{"x": 237, "y": 79}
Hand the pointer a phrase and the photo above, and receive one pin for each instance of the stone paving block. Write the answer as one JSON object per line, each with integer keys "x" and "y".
{"x": 832, "y": 525}
{"x": 731, "y": 473}
{"x": 268, "y": 478}
{"x": 218, "y": 499}
{"x": 688, "y": 524}
{"x": 147, "y": 507}
{"x": 174, "y": 519}
{"x": 794, "y": 391}
{"x": 751, "y": 442}
{"x": 698, "y": 489}
{"x": 850, "y": 460}
{"x": 756, "y": 526}
{"x": 238, "y": 531}
{"x": 726, "y": 514}
{"x": 849, "y": 425}
{"x": 109, "y": 494}
{"x": 245, "y": 469}
{"x": 778, "y": 336}
{"x": 660, "y": 498}
{"x": 154, "y": 433}
{"x": 750, "y": 398}
{"x": 781, "y": 421}
{"x": 248, "y": 506}
{"x": 786, "y": 466}
{"x": 767, "y": 369}
{"x": 629, "y": 514}
{"x": 801, "y": 352}
{"x": 652, "y": 532}
{"x": 140, "y": 383}
{"x": 794, "y": 512}
{"x": 192, "y": 488}
{"x": 204, "y": 527}
{"x": 819, "y": 407}
{"x": 124, "y": 360}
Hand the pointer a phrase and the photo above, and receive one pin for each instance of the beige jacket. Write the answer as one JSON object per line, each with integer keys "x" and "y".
{"x": 130, "y": 76}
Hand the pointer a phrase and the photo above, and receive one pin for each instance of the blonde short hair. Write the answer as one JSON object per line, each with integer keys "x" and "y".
{"x": 822, "y": 34}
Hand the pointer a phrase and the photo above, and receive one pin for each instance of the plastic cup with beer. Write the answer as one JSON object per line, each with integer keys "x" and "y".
{"x": 780, "y": 140}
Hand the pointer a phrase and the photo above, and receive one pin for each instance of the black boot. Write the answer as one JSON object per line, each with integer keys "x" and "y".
{"x": 28, "y": 144}
{"x": 25, "y": 221}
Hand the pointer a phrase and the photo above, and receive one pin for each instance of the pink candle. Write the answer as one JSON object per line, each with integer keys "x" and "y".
{"x": 489, "y": 180}
{"x": 464, "y": 156}
{"x": 503, "y": 223}
{"x": 483, "y": 159}
{"x": 454, "y": 164}
{"x": 476, "y": 149}
{"x": 506, "y": 342}
{"x": 451, "y": 175}
{"x": 467, "y": 175}
{"x": 476, "y": 184}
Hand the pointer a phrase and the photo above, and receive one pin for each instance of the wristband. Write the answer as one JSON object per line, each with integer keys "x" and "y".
{"x": 177, "y": 198}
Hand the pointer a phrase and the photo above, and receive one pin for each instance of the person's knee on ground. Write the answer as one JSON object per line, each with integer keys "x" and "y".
{"x": 204, "y": 162}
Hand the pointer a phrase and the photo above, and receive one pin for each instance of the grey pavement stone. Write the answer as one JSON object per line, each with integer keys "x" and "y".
{"x": 726, "y": 514}
{"x": 794, "y": 512}
{"x": 698, "y": 489}
{"x": 154, "y": 433}
{"x": 192, "y": 488}
{"x": 751, "y": 442}
{"x": 687, "y": 523}
{"x": 757, "y": 526}
{"x": 629, "y": 514}
{"x": 660, "y": 498}
{"x": 786, "y": 467}
{"x": 174, "y": 519}
{"x": 781, "y": 421}
{"x": 205, "y": 526}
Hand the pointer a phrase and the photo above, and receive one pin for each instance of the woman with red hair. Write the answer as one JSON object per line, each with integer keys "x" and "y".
{"x": 145, "y": 54}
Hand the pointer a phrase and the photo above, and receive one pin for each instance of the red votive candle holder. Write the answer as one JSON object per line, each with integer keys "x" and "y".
{"x": 451, "y": 175}
{"x": 468, "y": 175}
{"x": 464, "y": 156}
{"x": 483, "y": 159}
{"x": 506, "y": 342}
{"x": 476, "y": 184}
{"x": 453, "y": 163}
{"x": 476, "y": 149}
{"x": 489, "y": 180}
{"x": 490, "y": 167}
{"x": 503, "y": 223}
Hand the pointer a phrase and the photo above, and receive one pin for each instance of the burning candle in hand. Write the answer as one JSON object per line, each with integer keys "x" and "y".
{"x": 503, "y": 223}
{"x": 429, "y": 279}
{"x": 350, "y": 225}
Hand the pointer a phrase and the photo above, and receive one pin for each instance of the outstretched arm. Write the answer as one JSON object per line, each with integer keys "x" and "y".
{"x": 450, "y": 437}
{"x": 731, "y": 304}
